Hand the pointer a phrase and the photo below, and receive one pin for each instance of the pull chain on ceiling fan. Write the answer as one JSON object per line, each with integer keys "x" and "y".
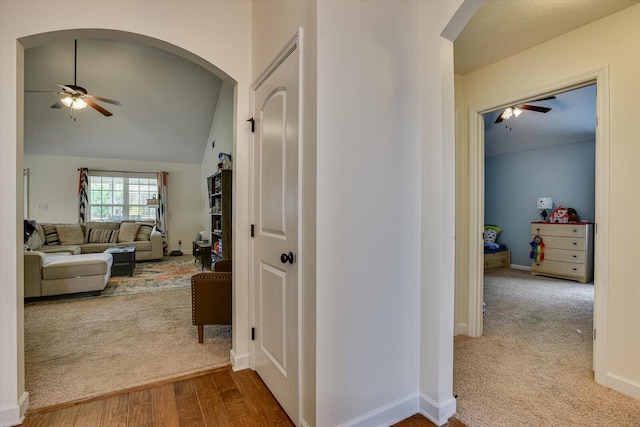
{"x": 76, "y": 97}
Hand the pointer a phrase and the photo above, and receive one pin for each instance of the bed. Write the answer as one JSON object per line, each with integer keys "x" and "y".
{"x": 496, "y": 255}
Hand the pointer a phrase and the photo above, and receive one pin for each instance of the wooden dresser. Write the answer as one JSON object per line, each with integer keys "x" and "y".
{"x": 568, "y": 250}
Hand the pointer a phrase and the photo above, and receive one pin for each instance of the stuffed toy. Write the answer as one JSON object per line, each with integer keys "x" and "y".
{"x": 537, "y": 247}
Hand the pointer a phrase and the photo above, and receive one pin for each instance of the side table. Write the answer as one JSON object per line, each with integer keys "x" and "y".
{"x": 124, "y": 260}
{"x": 202, "y": 252}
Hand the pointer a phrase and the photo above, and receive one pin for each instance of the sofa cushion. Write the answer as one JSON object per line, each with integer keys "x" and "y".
{"x": 62, "y": 267}
{"x": 51, "y": 234}
{"x": 99, "y": 235}
{"x": 70, "y": 234}
{"x": 128, "y": 231}
{"x": 55, "y": 249}
{"x": 144, "y": 232}
{"x": 106, "y": 225}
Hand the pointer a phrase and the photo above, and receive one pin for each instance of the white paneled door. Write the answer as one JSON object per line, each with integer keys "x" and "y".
{"x": 275, "y": 192}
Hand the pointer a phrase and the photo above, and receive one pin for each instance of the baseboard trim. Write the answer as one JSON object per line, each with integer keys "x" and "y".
{"x": 239, "y": 362}
{"x": 13, "y": 413}
{"x": 438, "y": 413}
{"x": 462, "y": 329}
{"x": 388, "y": 414}
{"x": 520, "y": 267}
{"x": 624, "y": 385}
{"x": 304, "y": 423}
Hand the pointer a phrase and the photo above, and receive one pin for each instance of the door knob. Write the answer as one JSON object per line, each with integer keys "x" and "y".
{"x": 284, "y": 258}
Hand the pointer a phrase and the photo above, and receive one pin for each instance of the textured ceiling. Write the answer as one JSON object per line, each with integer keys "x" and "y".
{"x": 167, "y": 108}
{"x": 502, "y": 28}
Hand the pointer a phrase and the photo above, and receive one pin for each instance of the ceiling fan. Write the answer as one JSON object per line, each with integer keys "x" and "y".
{"x": 76, "y": 97}
{"x": 516, "y": 110}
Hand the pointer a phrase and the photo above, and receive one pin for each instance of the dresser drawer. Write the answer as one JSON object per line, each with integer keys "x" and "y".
{"x": 558, "y": 268}
{"x": 560, "y": 230}
{"x": 564, "y": 255}
{"x": 573, "y": 243}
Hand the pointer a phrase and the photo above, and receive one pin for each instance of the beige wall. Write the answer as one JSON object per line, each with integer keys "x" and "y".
{"x": 53, "y": 181}
{"x": 612, "y": 43}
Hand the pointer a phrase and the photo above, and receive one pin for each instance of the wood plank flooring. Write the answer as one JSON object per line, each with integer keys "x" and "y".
{"x": 219, "y": 398}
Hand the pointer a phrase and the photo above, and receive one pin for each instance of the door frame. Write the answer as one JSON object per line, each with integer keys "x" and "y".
{"x": 476, "y": 206}
{"x": 295, "y": 42}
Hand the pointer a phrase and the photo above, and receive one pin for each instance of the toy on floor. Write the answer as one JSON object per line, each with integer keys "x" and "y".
{"x": 537, "y": 247}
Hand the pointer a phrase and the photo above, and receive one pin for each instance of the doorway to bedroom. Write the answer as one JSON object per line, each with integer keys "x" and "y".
{"x": 542, "y": 323}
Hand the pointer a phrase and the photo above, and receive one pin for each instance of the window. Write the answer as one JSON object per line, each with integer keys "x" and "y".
{"x": 113, "y": 197}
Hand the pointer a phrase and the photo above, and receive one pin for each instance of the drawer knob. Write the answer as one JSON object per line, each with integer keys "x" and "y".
{"x": 575, "y": 243}
{"x": 575, "y": 269}
{"x": 575, "y": 256}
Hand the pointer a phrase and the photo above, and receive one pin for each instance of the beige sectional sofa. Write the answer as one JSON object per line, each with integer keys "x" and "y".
{"x": 69, "y": 258}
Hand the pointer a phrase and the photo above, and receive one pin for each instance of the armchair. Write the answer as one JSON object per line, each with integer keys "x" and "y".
{"x": 211, "y": 297}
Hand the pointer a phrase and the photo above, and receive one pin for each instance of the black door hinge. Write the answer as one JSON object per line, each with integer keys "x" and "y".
{"x": 252, "y": 230}
{"x": 253, "y": 124}
{"x": 253, "y": 334}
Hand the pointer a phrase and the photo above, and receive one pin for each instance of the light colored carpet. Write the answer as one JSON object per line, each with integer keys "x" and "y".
{"x": 85, "y": 347}
{"x": 533, "y": 366}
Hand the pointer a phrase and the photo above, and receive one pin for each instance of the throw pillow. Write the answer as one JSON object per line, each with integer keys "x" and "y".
{"x": 99, "y": 235}
{"x": 491, "y": 233}
{"x": 34, "y": 242}
{"x": 51, "y": 234}
{"x": 144, "y": 232}
{"x": 70, "y": 234}
{"x": 128, "y": 231}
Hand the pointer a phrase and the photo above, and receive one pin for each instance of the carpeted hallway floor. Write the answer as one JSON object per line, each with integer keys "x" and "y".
{"x": 533, "y": 366}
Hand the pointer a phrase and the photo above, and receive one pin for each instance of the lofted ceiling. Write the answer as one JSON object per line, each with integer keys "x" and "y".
{"x": 168, "y": 102}
{"x": 500, "y": 29}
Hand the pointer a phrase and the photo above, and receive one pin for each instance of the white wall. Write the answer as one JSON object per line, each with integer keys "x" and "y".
{"x": 611, "y": 42}
{"x": 53, "y": 181}
{"x": 222, "y": 133}
{"x": 217, "y": 34}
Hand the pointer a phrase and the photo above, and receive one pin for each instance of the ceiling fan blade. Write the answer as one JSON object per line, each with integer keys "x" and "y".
{"x": 499, "y": 119}
{"x": 68, "y": 89}
{"x": 534, "y": 108}
{"x": 543, "y": 99}
{"x": 98, "y": 108}
{"x": 99, "y": 98}
{"x": 58, "y": 104}
{"x": 41, "y": 91}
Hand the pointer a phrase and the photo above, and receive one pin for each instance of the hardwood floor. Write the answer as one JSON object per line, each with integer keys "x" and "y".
{"x": 220, "y": 398}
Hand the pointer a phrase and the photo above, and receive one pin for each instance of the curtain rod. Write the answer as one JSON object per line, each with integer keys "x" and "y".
{"x": 105, "y": 170}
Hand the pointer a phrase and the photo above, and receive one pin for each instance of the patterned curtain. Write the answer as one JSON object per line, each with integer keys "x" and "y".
{"x": 161, "y": 213}
{"x": 83, "y": 195}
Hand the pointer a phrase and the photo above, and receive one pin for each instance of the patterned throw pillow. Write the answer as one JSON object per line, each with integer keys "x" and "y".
{"x": 51, "y": 234}
{"x": 98, "y": 235}
{"x": 491, "y": 233}
{"x": 144, "y": 232}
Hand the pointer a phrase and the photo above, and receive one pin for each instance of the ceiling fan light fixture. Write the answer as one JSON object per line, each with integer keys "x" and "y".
{"x": 517, "y": 111}
{"x": 74, "y": 102}
{"x": 507, "y": 113}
